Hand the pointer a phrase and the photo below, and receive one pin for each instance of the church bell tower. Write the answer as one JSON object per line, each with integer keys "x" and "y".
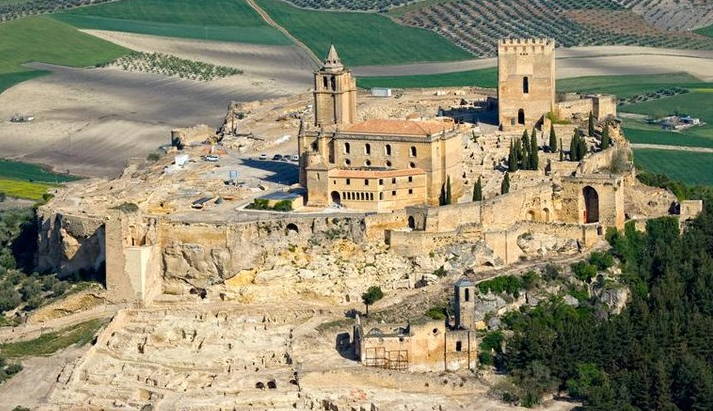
{"x": 334, "y": 93}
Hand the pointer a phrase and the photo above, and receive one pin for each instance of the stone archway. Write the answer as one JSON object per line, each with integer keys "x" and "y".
{"x": 546, "y": 215}
{"x": 521, "y": 116}
{"x": 336, "y": 198}
{"x": 531, "y": 216}
{"x": 591, "y": 205}
{"x": 411, "y": 222}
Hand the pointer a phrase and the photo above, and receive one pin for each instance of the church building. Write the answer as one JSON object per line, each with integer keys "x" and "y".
{"x": 377, "y": 164}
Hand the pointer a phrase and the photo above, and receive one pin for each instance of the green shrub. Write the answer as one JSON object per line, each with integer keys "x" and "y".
{"x": 153, "y": 157}
{"x": 530, "y": 280}
{"x": 602, "y": 260}
{"x": 284, "y": 205}
{"x": 126, "y": 208}
{"x": 436, "y": 313}
{"x": 507, "y": 284}
{"x": 584, "y": 271}
{"x": 440, "y": 272}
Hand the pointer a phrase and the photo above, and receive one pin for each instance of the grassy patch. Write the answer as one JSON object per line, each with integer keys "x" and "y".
{"x": 362, "y": 38}
{"x": 688, "y": 167}
{"x": 41, "y": 39}
{"x": 31, "y": 172}
{"x": 8, "y": 80}
{"x": 230, "y": 20}
{"x": 629, "y": 85}
{"x": 667, "y": 138}
{"x": 481, "y": 78}
{"x": 706, "y": 31}
{"x": 50, "y": 343}
{"x": 23, "y": 189}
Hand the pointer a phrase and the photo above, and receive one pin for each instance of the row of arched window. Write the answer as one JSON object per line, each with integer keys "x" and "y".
{"x": 413, "y": 152}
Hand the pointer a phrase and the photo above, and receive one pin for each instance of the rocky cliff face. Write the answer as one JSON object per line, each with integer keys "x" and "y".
{"x": 69, "y": 244}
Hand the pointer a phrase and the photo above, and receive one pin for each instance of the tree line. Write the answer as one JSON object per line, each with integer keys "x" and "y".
{"x": 654, "y": 356}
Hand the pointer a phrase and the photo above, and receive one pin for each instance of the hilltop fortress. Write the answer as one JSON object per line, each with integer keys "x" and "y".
{"x": 372, "y": 182}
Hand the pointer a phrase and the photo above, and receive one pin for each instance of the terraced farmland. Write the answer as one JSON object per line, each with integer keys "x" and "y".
{"x": 475, "y": 25}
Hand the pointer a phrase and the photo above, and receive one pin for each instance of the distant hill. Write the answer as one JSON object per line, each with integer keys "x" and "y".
{"x": 475, "y": 25}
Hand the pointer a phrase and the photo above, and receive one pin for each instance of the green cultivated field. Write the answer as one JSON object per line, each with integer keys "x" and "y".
{"x": 481, "y": 78}
{"x": 40, "y": 39}
{"x": 630, "y": 85}
{"x": 688, "y": 167}
{"x": 227, "y": 20}
{"x": 706, "y": 31}
{"x": 362, "y": 38}
{"x": 697, "y": 103}
{"x": 30, "y": 172}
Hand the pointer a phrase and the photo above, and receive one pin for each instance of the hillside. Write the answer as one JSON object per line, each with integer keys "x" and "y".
{"x": 475, "y": 25}
{"x": 232, "y": 20}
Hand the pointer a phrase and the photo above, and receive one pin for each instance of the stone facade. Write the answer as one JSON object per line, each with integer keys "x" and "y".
{"x": 526, "y": 81}
{"x": 423, "y": 345}
{"x": 376, "y": 165}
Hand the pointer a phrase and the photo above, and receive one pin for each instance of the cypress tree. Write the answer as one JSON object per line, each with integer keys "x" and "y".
{"x": 591, "y": 124}
{"x": 534, "y": 156}
{"x": 449, "y": 199}
{"x": 581, "y": 149}
{"x": 512, "y": 157}
{"x": 505, "y": 186}
{"x": 442, "y": 197}
{"x": 553, "y": 139}
{"x": 606, "y": 142}
{"x": 573, "y": 147}
{"x": 478, "y": 190}
{"x": 561, "y": 152}
{"x": 517, "y": 149}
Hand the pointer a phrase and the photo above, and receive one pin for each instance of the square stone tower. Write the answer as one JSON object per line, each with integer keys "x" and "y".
{"x": 334, "y": 93}
{"x": 526, "y": 81}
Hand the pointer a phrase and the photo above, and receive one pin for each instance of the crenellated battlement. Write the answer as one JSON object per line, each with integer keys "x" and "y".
{"x": 510, "y": 45}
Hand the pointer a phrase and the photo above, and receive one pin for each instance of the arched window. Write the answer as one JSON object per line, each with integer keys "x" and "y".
{"x": 388, "y": 149}
{"x": 367, "y": 149}
{"x": 325, "y": 82}
{"x": 334, "y": 84}
{"x": 459, "y": 346}
{"x": 381, "y": 196}
{"x": 526, "y": 85}
{"x": 467, "y": 294}
{"x": 314, "y": 146}
{"x": 521, "y": 116}
{"x": 412, "y": 151}
{"x": 347, "y": 148}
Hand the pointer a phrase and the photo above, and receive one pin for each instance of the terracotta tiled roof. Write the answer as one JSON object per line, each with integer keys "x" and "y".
{"x": 346, "y": 173}
{"x": 401, "y": 127}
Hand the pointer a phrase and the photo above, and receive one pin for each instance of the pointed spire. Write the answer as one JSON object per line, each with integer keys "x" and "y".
{"x": 332, "y": 62}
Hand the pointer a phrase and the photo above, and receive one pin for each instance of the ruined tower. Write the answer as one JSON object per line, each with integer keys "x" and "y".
{"x": 465, "y": 304}
{"x": 334, "y": 93}
{"x": 526, "y": 81}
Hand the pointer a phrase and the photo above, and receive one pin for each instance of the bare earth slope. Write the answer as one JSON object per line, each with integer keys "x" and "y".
{"x": 90, "y": 121}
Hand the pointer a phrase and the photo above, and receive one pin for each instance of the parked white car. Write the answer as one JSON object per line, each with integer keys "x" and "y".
{"x": 263, "y": 156}
{"x": 212, "y": 158}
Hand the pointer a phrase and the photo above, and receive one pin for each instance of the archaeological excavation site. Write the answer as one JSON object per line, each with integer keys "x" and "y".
{"x": 344, "y": 249}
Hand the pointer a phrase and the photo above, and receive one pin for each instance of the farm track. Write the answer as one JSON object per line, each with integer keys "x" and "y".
{"x": 316, "y": 60}
{"x": 673, "y": 148}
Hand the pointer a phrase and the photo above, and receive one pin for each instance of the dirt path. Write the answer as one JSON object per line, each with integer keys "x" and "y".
{"x": 674, "y": 148}
{"x": 284, "y": 31}
{"x": 578, "y": 62}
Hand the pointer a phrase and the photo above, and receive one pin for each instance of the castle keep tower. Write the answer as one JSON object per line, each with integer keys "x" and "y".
{"x": 526, "y": 81}
{"x": 334, "y": 93}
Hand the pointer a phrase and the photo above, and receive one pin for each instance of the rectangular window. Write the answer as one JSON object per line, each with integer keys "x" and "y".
{"x": 410, "y": 191}
{"x": 393, "y": 193}
{"x": 410, "y": 179}
{"x": 366, "y": 182}
{"x": 381, "y": 181}
{"x": 349, "y": 181}
{"x": 393, "y": 180}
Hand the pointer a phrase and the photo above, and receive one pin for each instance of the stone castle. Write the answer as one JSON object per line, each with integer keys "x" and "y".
{"x": 388, "y": 174}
